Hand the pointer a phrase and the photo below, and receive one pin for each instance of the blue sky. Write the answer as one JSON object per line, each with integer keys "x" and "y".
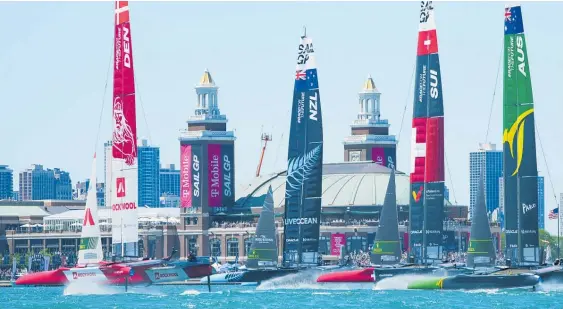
{"x": 55, "y": 59}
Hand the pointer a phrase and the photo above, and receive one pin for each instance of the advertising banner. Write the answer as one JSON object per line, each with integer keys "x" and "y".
{"x": 214, "y": 181}
{"x": 336, "y": 241}
{"x": 228, "y": 172}
{"x": 185, "y": 176}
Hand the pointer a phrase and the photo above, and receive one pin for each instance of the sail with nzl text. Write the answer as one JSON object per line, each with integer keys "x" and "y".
{"x": 305, "y": 157}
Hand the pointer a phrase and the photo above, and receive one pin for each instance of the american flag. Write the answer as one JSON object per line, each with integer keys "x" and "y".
{"x": 554, "y": 213}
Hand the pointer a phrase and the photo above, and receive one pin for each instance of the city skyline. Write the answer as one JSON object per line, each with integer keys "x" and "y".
{"x": 168, "y": 66}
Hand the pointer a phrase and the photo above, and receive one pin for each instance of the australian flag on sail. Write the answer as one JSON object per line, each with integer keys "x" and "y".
{"x": 313, "y": 82}
{"x": 513, "y": 20}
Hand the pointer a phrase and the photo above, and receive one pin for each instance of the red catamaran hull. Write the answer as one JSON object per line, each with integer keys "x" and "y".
{"x": 115, "y": 274}
{"x": 357, "y": 275}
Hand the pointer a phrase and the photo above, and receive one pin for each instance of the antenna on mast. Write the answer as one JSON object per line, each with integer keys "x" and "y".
{"x": 304, "y": 32}
{"x": 265, "y": 139}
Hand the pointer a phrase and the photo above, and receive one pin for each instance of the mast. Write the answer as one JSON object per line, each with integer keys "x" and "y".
{"x": 90, "y": 249}
{"x": 124, "y": 174}
{"x": 519, "y": 145}
{"x": 427, "y": 152}
{"x": 263, "y": 250}
{"x": 305, "y": 157}
{"x": 386, "y": 248}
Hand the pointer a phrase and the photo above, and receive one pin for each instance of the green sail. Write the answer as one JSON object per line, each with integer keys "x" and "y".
{"x": 519, "y": 146}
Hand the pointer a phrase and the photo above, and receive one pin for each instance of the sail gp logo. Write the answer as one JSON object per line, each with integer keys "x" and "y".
{"x": 425, "y": 9}
{"x": 124, "y": 141}
{"x": 417, "y": 195}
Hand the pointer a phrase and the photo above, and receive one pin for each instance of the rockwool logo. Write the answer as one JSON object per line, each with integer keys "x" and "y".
{"x": 158, "y": 275}
{"x": 120, "y": 186}
{"x": 76, "y": 275}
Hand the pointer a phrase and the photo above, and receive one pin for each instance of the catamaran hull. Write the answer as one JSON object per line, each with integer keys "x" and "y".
{"x": 144, "y": 272}
{"x": 472, "y": 282}
{"x": 258, "y": 276}
{"x": 348, "y": 276}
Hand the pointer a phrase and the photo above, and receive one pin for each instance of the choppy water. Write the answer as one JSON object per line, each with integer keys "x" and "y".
{"x": 285, "y": 293}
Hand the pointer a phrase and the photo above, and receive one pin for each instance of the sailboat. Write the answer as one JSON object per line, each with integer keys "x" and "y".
{"x": 480, "y": 257}
{"x": 262, "y": 260}
{"x": 125, "y": 267}
{"x": 386, "y": 252}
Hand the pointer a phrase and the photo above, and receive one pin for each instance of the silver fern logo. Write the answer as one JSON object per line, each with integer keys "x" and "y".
{"x": 299, "y": 169}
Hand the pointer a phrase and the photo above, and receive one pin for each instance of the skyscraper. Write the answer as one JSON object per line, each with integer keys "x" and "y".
{"x": 489, "y": 161}
{"x": 6, "y": 182}
{"x": 37, "y": 183}
{"x": 149, "y": 174}
{"x": 169, "y": 181}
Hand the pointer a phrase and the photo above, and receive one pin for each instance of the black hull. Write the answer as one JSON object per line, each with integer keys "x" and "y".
{"x": 259, "y": 275}
{"x": 474, "y": 282}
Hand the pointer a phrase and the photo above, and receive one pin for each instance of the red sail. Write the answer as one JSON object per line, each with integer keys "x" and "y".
{"x": 125, "y": 127}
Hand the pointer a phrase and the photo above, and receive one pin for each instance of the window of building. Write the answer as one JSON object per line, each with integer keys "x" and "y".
{"x": 356, "y": 243}
{"x": 215, "y": 244}
{"x": 192, "y": 245}
{"x": 247, "y": 245}
{"x": 324, "y": 245}
{"x": 232, "y": 246}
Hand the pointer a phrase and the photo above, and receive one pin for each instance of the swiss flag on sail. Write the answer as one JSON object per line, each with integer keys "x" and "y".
{"x": 427, "y": 42}
{"x": 120, "y": 186}
{"x": 88, "y": 220}
{"x": 121, "y": 12}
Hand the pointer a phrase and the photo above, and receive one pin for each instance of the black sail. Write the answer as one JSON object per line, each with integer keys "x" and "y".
{"x": 264, "y": 250}
{"x": 386, "y": 249}
{"x": 305, "y": 157}
{"x": 481, "y": 250}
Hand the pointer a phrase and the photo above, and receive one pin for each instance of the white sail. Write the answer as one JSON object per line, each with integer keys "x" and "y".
{"x": 90, "y": 250}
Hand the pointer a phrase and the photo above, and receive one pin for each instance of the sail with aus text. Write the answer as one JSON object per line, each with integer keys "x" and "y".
{"x": 519, "y": 145}
{"x": 90, "y": 249}
{"x": 305, "y": 157}
{"x": 124, "y": 173}
{"x": 264, "y": 249}
{"x": 427, "y": 145}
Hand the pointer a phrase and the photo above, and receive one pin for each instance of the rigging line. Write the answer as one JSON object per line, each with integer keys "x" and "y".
{"x": 450, "y": 176}
{"x": 280, "y": 142}
{"x": 494, "y": 93}
{"x": 104, "y": 96}
{"x": 138, "y": 92}
{"x": 546, "y": 165}
{"x": 406, "y": 103}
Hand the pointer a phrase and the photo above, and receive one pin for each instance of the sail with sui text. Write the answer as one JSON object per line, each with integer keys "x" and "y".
{"x": 427, "y": 145}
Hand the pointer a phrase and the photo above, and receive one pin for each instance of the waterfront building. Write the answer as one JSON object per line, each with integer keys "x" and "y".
{"x": 169, "y": 181}
{"x": 370, "y": 139}
{"x": 149, "y": 174}
{"x": 107, "y": 168}
{"x": 6, "y": 182}
{"x": 37, "y": 183}
{"x": 487, "y": 160}
{"x": 353, "y": 194}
